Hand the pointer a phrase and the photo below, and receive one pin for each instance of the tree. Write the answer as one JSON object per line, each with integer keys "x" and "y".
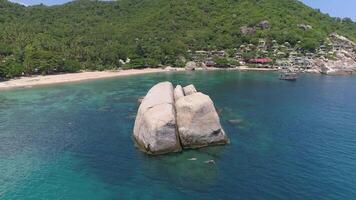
{"x": 95, "y": 35}
{"x": 10, "y": 68}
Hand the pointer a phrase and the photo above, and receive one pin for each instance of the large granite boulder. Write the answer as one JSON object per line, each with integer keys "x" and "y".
{"x": 198, "y": 122}
{"x": 155, "y": 130}
{"x": 169, "y": 120}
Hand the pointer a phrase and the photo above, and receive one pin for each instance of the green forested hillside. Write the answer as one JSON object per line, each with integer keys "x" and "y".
{"x": 96, "y": 34}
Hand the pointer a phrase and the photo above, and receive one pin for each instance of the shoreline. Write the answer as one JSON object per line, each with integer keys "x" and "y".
{"x": 40, "y": 80}
{"x": 245, "y": 68}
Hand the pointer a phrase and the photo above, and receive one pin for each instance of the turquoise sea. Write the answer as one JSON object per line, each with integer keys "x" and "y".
{"x": 293, "y": 140}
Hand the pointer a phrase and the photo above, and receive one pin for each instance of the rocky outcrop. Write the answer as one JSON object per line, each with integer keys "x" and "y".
{"x": 342, "y": 64}
{"x": 342, "y": 40}
{"x": 246, "y": 30}
{"x": 188, "y": 90}
{"x": 169, "y": 120}
{"x": 198, "y": 122}
{"x": 341, "y": 58}
{"x": 155, "y": 126}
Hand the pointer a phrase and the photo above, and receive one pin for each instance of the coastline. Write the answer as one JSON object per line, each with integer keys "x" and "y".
{"x": 40, "y": 80}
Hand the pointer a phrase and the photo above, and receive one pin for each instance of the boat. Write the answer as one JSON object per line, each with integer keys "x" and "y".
{"x": 288, "y": 76}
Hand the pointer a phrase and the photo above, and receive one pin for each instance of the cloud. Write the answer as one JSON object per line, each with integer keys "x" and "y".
{"x": 19, "y": 2}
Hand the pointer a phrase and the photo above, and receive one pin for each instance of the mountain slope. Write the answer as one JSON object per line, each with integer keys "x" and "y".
{"x": 96, "y": 35}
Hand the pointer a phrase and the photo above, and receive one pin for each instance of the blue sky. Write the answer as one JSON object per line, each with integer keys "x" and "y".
{"x": 47, "y": 2}
{"x": 336, "y": 8}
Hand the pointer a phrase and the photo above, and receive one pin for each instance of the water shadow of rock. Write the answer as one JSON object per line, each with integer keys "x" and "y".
{"x": 191, "y": 168}
{"x": 233, "y": 118}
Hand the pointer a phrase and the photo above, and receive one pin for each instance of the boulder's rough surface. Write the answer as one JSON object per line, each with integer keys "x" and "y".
{"x": 190, "y": 89}
{"x": 178, "y": 92}
{"x": 198, "y": 122}
{"x": 155, "y": 126}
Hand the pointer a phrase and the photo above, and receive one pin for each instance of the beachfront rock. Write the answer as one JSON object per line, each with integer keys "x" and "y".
{"x": 155, "y": 125}
{"x": 191, "y": 65}
{"x": 198, "y": 122}
{"x": 178, "y": 92}
{"x": 188, "y": 90}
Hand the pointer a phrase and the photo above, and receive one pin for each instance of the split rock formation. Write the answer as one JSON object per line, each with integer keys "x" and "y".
{"x": 169, "y": 120}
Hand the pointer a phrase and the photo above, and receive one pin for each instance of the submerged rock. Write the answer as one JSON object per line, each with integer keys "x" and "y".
{"x": 209, "y": 162}
{"x": 235, "y": 121}
{"x": 155, "y": 126}
{"x": 198, "y": 122}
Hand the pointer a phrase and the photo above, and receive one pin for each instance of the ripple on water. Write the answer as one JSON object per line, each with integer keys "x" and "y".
{"x": 73, "y": 141}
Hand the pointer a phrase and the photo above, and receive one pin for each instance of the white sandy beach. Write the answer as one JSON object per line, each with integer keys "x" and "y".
{"x": 28, "y": 82}
{"x": 245, "y": 68}
{"x": 73, "y": 77}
